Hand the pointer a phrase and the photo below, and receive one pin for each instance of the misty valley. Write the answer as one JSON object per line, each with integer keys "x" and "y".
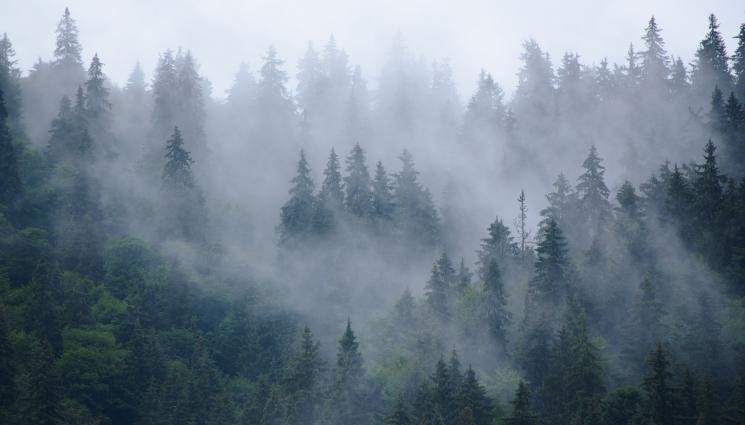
{"x": 327, "y": 245}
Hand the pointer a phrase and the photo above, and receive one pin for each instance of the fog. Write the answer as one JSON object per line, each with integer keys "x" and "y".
{"x": 473, "y": 178}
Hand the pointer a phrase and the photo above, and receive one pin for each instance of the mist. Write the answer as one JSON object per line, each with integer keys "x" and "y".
{"x": 375, "y": 213}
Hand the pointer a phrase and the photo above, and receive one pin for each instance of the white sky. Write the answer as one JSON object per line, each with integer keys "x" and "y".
{"x": 472, "y": 34}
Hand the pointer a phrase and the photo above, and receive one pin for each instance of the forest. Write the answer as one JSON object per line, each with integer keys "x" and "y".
{"x": 313, "y": 249}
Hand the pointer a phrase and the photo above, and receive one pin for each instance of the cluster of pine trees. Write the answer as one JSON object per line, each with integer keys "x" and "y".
{"x": 122, "y": 298}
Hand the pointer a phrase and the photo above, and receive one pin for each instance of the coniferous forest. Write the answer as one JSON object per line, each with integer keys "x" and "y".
{"x": 316, "y": 249}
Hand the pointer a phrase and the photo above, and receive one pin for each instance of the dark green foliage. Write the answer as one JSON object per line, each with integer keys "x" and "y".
{"x": 399, "y": 415}
{"x": 734, "y": 412}
{"x": 297, "y": 214}
{"x": 10, "y": 181}
{"x": 551, "y": 281}
{"x": 496, "y": 314}
{"x": 357, "y": 183}
{"x": 332, "y": 192}
{"x": 472, "y": 402}
{"x": 415, "y": 215}
{"x": 658, "y": 405}
{"x": 498, "y": 246}
{"x": 522, "y": 413}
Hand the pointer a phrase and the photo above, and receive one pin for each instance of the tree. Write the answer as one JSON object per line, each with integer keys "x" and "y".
{"x": 274, "y": 120}
{"x": 443, "y": 393}
{"x": 593, "y": 193}
{"x": 10, "y": 181}
{"x": 96, "y": 94}
{"x": 497, "y": 316}
{"x": 654, "y": 68}
{"x": 348, "y": 358}
{"x": 645, "y": 327}
{"x": 521, "y": 411}
{"x": 10, "y": 86}
{"x": 38, "y": 401}
{"x": 400, "y": 414}
{"x": 734, "y": 413}
{"x": 551, "y": 281}
{"x": 738, "y": 63}
{"x": 186, "y": 216}
{"x": 68, "y": 49}
{"x": 357, "y": 183}
{"x": 498, "y": 246}
{"x": 382, "y": 194}
{"x": 658, "y": 405}
{"x": 471, "y": 400}
{"x": 415, "y": 216}
{"x": 711, "y": 67}
{"x": 439, "y": 288}
{"x": 522, "y": 232}
{"x": 332, "y": 192}
{"x": 296, "y": 217}
{"x": 190, "y": 114}
{"x": 7, "y": 367}
{"x": 164, "y": 89}
{"x": 485, "y": 113}
{"x": 303, "y": 380}
{"x": 560, "y": 202}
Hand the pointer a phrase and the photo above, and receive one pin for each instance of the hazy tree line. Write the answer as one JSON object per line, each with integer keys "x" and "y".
{"x": 125, "y": 295}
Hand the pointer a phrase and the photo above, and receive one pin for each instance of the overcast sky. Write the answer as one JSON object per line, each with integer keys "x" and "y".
{"x": 472, "y": 34}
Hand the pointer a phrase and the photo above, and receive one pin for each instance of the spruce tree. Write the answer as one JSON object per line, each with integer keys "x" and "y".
{"x": 438, "y": 289}
{"x": 497, "y": 316}
{"x": 400, "y": 414}
{"x": 645, "y": 327}
{"x": 10, "y": 181}
{"x": 711, "y": 64}
{"x": 177, "y": 169}
{"x": 164, "y": 96}
{"x": 658, "y": 392}
{"x": 471, "y": 396}
{"x": 382, "y": 195}
{"x": 303, "y": 380}
{"x": 357, "y": 183}
{"x": 738, "y": 64}
{"x": 332, "y": 192}
{"x": 443, "y": 393}
{"x": 296, "y": 217}
{"x": 67, "y": 52}
{"x": 522, "y": 413}
{"x": 96, "y": 94}
{"x": 186, "y": 215}
{"x": 499, "y": 246}
{"x": 190, "y": 113}
{"x": 550, "y": 282}
{"x": 10, "y": 86}
{"x": 593, "y": 193}
{"x": 415, "y": 216}
{"x": 654, "y": 68}
{"x": 560, "y": 202}
{"x": 485, "y": 113}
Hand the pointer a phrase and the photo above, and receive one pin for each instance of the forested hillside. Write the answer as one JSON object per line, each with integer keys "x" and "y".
{"x": 314, "y": 250}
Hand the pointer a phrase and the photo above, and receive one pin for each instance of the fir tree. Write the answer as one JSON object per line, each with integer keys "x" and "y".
{"x": 593, "y": 193}
{"x": 297, "y": 214}
{"x": 400, "y": 414}
{"x": 654, "y": 69}
{"x": 658, "y": 400}
{"x": 332, "y": 192}
{"x": 498, "y": 246}
{"x": 550, "y": 281}
{"x": 415, "y": 214}
{"x": 10, "y": 86}
{"x": 485, "y": 112}
{"x": 497, "y": 316}
{"x": 177, "y": 169}
{"x": 711, "y": 64}
{"x": 10, "y": 181}
{"x": 68, "y": 49}
{"x": 521, "y": 410}
{"x": 96, "y": 93}
{"x": 738, "y": 63}
{"x": 164, "y": 96}
{"x": 471, "y": 396}
{"x": 382, "y": 195}
{"x": 645, "y": 327}
{"x": 357, "y": 183}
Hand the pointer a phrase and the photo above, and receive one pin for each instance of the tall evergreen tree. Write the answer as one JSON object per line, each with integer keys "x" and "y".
{"x": 382, "y": 194}
{"x": 186, "y": 215}
{"x": 10, "y": 86}
{"x": 96, "y": 93}
{"x": 497, "y": 316}
{"x": 593, "y": 193}
{"x": 484, "y": 114}
{"x": 551, "y": 280}
{"x": 296, "y": 217}
{"x": 522, "y": 413}
{"x": 645, "y": 327}
{"x": 415, "y": 216}
{"x": 711, "y": 67}
{"x": 400, "y": 414}
{"x": 654, "y": 68}
{"x": 738, "y": 63}
{"x": 472, "y": 396}
{"x": 357, "y": 183}
{"x": 332, "y": 192}
{"x": 67, "y": 53}
{"x": 10, "y": 181}
{"x": 499, "y": 246}
{"x": 659, "y": 397}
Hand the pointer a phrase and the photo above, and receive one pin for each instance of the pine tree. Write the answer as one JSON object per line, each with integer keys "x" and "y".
{"x": 68, "y": 49}
{"x": 274, "y": 120}
{"x": 10, "y": 86}
{"x": 415, "y": 216}
{"x": 164, "y": 89}
{"x": 632, "y": 71}
{"x": 593, "y": 193}
{"x": 658, "y": 400}
{"x": 521, "y": 410}
{"x": 190, "y": 114}
{"x": 348, "y": 358}
{"x": 10, "y": 181}
{"x": 679, "y": 82}
{"x": 484, "y": 114}
{"x": 497, "y": 316}
{"x": 471, "y": 396}
{"x": 550, "y": 281}
{"x": 443, "y": 393}
{"x": 96, "y": 94}
{"x": 711, "y": 64}
{"x": 357, "y": 183}
{"x": 7, "y": 367}
{"x": 645, "y": 327}
{"x": 654, "y": 68}
{"x": 297, "y": 214}
{"x": 400, "y": 414}
{"x": 717, "y": 115}
{"x": 498, "y": 246}
{"x": 382, "y": 194}
{"x": 177, "y": 169}
{"x": 738, "y": 64}
{"x": 332, "y": 192}
{"x": 310, "y": 79}
{"x": 560, "y": 202}
{"x": 463, "y": 278}
{"x": 438, "y": 288}
{"x": 522, "y": 218}
{"x": 303, "y": 380}
{"x": 734, "y": 413}
{"x": 38, "y": 401}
